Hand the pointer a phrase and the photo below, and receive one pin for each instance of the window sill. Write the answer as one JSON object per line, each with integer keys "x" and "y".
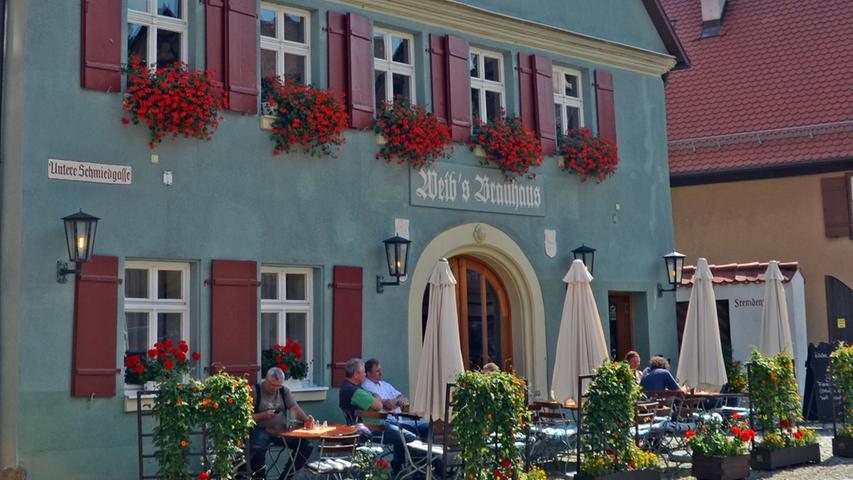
{"x": 308, "y": 393}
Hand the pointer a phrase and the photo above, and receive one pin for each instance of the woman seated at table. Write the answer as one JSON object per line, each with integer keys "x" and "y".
{"x": 658, "y": 377}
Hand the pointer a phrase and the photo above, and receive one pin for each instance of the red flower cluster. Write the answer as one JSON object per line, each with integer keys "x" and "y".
{"x": 164, "y": 358}
{"x": 745, "y": 434}
{"x": 307, "y": 116}
{"x": 382, "y": 464}
{"x": 287, "y": 357}
{"x": 411, "y": 133}
{"x": 588, "y": 156}
{"x": 508, "y": 145}
{"x": 173, "y": 100}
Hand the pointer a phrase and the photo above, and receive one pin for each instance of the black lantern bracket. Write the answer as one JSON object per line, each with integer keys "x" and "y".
{"x": 397, "y": 255}
{"x": 674, "y": 269}
{"x": 80, "y": 231}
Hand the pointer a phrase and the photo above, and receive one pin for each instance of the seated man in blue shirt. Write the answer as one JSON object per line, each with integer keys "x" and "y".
{"x": 658, "y": 378}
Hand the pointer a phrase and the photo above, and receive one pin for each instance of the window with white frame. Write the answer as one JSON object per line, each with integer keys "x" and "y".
{"x": 156, "y": 304}
{"x": 157, "y": 31}
{"x": 285, "y": 43}
{"x": 393, "y": 65}
{"x": 568, "y": 100}
{"x": 488, "y": 94}
{"x": 287, "y": 302}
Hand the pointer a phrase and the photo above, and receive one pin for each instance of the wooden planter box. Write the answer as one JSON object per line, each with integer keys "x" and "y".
{"x": 629, "y": 475}
{"x": 842, "y": 447}
{"x": 771, "y": 460}
{"x": 720, "y": 468}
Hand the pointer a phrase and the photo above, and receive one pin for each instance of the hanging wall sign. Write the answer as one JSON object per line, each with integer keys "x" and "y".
{"x": 89, "y": 172}
{"x": 466, "y": 187}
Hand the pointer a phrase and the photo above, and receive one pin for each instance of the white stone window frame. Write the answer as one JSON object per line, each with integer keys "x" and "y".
{"x": 156, "y": 22}
{"x": 153, "y": 305}
{"x": 390, "y": 67}
{"x": 282, "y": 306}
{"x": 281, "y": 46}
{"x": 483, "y": 85}
{"x": 560, "y": 98}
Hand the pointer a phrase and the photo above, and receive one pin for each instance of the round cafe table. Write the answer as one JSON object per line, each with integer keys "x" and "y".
{"x": 304, "y": 434}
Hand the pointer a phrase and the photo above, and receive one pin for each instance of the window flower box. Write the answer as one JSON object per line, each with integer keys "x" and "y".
{"x": 720, "y": 468}
{"x": 842, "y": 446}
{"x": 763, "y": 459}
{"x": 626, "y": 475}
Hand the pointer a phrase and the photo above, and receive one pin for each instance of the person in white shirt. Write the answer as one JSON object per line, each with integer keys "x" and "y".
{"x": 392, "y": 399}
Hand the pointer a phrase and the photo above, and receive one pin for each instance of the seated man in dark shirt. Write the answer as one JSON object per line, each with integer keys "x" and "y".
{"x": 658, "y": 378}
{"x": 353, "y": 397}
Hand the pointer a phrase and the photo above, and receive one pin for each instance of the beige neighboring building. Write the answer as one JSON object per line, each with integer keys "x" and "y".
{"x": 761, "y": 144}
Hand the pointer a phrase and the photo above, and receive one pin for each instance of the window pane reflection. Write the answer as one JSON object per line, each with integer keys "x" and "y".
{"x": 475, "y": 103}
{"x": 169, "y": 8}
{"x": 295, "y": 287}
{"x": 475, "y": 321}
{"x": 269, "y": 330}
{"x": 169, "y": 284}
{"x": 491, "y": 68}
{"x": 297, "y": 326}
{"x": 168, "y": 47}
{"x": 493, "y": 325}
{"x": 135, "y": 283}
{"x": 571, "y": 86}
{"x": 269, "y": 286}
{"x": 137, "y": 42}
{"x": 379, "y": 87}
{"x": 379, "y": 45}
{"x": 400, "y": 47}
{"x": 493, "y": 105}
{"x": 474, "y": 65}
{"x": 573, "y": 117}
{"x": 137, "y": 331}
{"x": 401, "y": 85}
{"x": 169, "y": 327}
{"x": 267, "y": 18}
{"x": 140, "y": 5}
{"x": 294, "y": 28}
{"x": 294, "y": 67}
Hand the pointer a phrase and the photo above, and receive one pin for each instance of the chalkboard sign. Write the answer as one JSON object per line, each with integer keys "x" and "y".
{"x": 817, "y": 404}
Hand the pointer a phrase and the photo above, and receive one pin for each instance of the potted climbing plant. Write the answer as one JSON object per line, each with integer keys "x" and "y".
{"x": 720, "y": 448}
{"x": 608, "y": 450}
{"x": 841, "y": 370}
{"x": 506, "y": 144}
{"x": 776, "y": 406}
{"x": 224, "y": 407}
{"x": 489, "y": 409}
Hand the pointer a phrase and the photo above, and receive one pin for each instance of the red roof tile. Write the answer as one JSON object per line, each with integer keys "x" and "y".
{"x": 777, "y": 64}
{"x": 739, "y": 272}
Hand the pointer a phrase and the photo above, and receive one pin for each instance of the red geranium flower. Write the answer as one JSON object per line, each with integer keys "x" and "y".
{"x": 196, "y": 356}
{"x": 689, "y": 434}
{"x": 785, "y": 423}
{"x": 168, "y": 365}
{"x": 203, "y": 476}
{"x": 798, "y": 434}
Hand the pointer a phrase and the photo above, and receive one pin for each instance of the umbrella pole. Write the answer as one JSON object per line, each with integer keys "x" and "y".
{"x": 429, "y": 450}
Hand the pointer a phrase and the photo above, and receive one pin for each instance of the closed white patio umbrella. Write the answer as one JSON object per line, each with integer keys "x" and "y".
{"x": 441, "y": 355}
{"x": 700, "y": 363}
{"x": 775, "y": 330}
{"x": 581, "y": 346}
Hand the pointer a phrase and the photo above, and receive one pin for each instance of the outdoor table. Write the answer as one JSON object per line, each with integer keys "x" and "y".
{"x": 304, "y": 434}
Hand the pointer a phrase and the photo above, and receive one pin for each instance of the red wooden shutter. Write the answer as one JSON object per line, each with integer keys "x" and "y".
{"x": 458, "y": 88}
{"x": 93, "y": 358}
{"x": 606, "y": 105}
{"x": 360, "y": 71}
{"x": 836, "y": 207}
{"x": 347, "y": 287}
{"x": 336, "y": 26}
{"x": 214, "y": 27}
{"x": 525, "y": 91}
{"x": 242, "y": 55}
{"x": 100, "y": 45}
{"x": 438, "y": 75}
{"x": 234, "y": 316}
{"x": 543, "y": 88}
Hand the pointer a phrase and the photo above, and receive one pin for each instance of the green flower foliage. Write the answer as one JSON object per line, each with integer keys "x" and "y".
{"x": 175, "y": 411}
{"x": 225, "y": 410}
{"x": 489, "y": 409}
{"x": 775, "y": 401}
{"x": 841, "y": 370}
{"x": 609, "y": 415}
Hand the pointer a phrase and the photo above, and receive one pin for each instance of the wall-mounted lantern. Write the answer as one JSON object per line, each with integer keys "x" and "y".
{"x": 397, "y": 255}
{"x": 586, "y": 255}
{"x": 80, "y": 230}
{"x": 674, "y": 269}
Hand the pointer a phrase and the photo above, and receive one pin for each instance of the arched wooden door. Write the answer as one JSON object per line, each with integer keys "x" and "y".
{"x": 485, "y": 328}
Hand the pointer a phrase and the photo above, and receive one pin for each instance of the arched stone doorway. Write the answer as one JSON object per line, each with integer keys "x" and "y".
{"x": 491, "y": 247}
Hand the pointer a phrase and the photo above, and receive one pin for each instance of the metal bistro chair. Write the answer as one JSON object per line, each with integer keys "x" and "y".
{"x": 417, "y": 458}
{"x": 336, "y": 456}
{"x": 376, "y": 423}
{"x": 553, "y": 432}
